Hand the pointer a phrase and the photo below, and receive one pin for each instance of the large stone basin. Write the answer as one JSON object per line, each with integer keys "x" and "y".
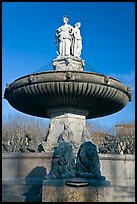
{"x": 35, "y": 94}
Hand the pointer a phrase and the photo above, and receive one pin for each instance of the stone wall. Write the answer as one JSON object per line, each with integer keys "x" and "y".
{"x": 113, "y": 167}
{"x": 23, "y": 173}
{"x": 119, "y": 169}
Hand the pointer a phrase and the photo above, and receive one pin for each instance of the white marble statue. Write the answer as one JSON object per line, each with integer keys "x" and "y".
{"x": 64, "y": 38}
{"x": 68, "y": 39}
{"x": 77, "y": 41}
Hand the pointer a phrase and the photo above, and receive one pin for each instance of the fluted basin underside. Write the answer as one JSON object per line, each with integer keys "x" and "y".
{"x": 35, "y": 94}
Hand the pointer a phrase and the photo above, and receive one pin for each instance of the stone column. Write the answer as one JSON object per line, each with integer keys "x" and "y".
{"x": 71, "y": 120}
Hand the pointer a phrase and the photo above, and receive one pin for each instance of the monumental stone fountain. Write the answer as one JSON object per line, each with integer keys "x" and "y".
{"x": 68, "y": 96}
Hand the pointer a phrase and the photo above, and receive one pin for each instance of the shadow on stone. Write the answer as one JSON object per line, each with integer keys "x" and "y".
{"x": 34, "y": 181}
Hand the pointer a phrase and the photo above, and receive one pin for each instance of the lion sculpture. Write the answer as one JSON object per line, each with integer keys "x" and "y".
{"x": 63, "y": 162}
{"x": 87, "y": 163}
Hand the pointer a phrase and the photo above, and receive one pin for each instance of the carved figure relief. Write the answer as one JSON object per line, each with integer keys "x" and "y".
{"x": 66, "y": 135}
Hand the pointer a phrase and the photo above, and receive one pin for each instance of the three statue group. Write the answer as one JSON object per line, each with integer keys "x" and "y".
{"x": 68, "y": 39}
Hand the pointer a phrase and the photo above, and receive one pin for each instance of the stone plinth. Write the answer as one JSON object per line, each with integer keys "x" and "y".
{"x": 60, "y": 118}
{"x": 56, "y": 190}
{"x": 68, "y": 64}
{"x": 63, "y": 193}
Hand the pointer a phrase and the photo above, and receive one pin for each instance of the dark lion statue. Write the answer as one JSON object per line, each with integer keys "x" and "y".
{"x": 87, "y": 163}
{"x": 63, "y": 162}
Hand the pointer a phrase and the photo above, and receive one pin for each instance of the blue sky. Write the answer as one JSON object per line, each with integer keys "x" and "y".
{"x": 107, "y": 29}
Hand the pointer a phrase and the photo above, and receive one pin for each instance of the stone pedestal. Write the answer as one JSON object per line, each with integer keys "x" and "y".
{"x": 56, "y": 190}
{"x": 69, "y": 63}
{"x": 60, "y": 118}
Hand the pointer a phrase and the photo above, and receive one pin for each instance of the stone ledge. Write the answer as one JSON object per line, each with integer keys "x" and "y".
{"x": 117, "y": 157}
{"x": 62, "y": 182}
{"x": 49, "y": 156}
{"x": 22, "y": 181}
{"x": 123, "y": 182}
{"x": 27, "y": 155}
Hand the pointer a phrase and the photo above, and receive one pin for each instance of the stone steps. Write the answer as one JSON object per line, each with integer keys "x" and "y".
{"x": 22, "y": 194}
{"x": 20, "y": 198}
{"x": 123, "y": 194}
{"x": 20, "y": 190}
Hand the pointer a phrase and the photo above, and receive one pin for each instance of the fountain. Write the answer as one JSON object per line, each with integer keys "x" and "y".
{"x": 67, "y": 95}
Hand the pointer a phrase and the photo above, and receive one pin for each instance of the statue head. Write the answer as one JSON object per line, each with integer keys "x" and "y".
{"x": 65, "y": 19}
{"x": 78, "y": 24}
